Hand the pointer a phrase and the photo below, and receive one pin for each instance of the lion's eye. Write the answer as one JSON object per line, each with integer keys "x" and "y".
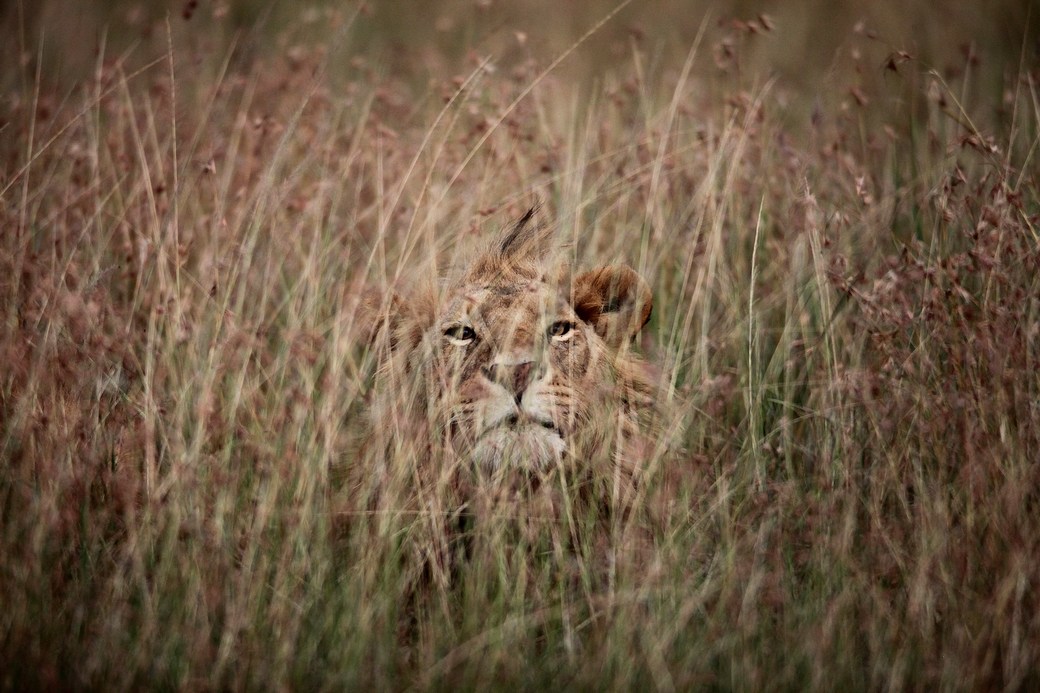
{"x": 460, "y": 335}
{"x": 561, "y": 330}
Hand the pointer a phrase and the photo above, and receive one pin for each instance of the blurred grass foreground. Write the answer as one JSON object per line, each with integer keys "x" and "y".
{"x": 836, "y": 204}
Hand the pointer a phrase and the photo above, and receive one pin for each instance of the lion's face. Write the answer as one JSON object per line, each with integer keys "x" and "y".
{"x": 513, "y": 368}
{"x": 518, "y": 355}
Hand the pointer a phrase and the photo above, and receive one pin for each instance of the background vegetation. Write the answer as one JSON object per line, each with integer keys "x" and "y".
{"x": 837, "y": 207}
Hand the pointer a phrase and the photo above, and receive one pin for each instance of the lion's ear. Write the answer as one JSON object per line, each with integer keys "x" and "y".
{"x": 615, "y": 300}
{"x": 520, "y": 249}
{"x": 387, "y": 320}
{"x": 528, "y": 238}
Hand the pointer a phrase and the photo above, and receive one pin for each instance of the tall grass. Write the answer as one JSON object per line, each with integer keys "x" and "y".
{"x": 847, "y": 317}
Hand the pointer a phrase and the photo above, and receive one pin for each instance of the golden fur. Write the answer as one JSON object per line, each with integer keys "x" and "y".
{"x": 507, "y": 399}
{"x": 517, "y": 365}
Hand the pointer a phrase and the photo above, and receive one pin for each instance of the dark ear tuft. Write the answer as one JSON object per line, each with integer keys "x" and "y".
{"x": 615, "y": 300}
{"x": 518, "y": 235}
{"x": 518, "y": 251}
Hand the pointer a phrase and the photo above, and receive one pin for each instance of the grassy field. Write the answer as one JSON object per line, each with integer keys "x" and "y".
{"x": 837, "y": 209}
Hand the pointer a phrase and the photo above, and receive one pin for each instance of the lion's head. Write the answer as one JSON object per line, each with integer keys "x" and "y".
{"x": 517, "y": 362}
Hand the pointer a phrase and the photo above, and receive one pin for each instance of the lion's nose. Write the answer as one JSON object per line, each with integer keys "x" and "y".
{"x": 515, "y": 377}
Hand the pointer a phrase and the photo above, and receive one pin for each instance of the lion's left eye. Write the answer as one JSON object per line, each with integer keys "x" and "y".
{"x": 561, "y": 330}
{"x": 460, "y": 335}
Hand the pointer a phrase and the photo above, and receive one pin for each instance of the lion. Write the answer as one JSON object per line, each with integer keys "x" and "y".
{"x": 508, "y": 401}
{"x": 519, "y": 365}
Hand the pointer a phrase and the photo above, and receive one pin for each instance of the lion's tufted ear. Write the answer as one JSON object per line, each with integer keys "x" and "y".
{"x": 387, "y": 320}
{"x": 615, "y": 300}
{"x": 527, "y": 237}
{"x": 517, "y": 252}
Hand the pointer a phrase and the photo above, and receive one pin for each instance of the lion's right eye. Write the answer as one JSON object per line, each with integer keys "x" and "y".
{"x": 561, "y": 330}
{"x": 460, "y": 335}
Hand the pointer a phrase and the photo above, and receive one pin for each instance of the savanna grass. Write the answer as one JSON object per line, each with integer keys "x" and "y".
{"x": 846, "y": 324}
